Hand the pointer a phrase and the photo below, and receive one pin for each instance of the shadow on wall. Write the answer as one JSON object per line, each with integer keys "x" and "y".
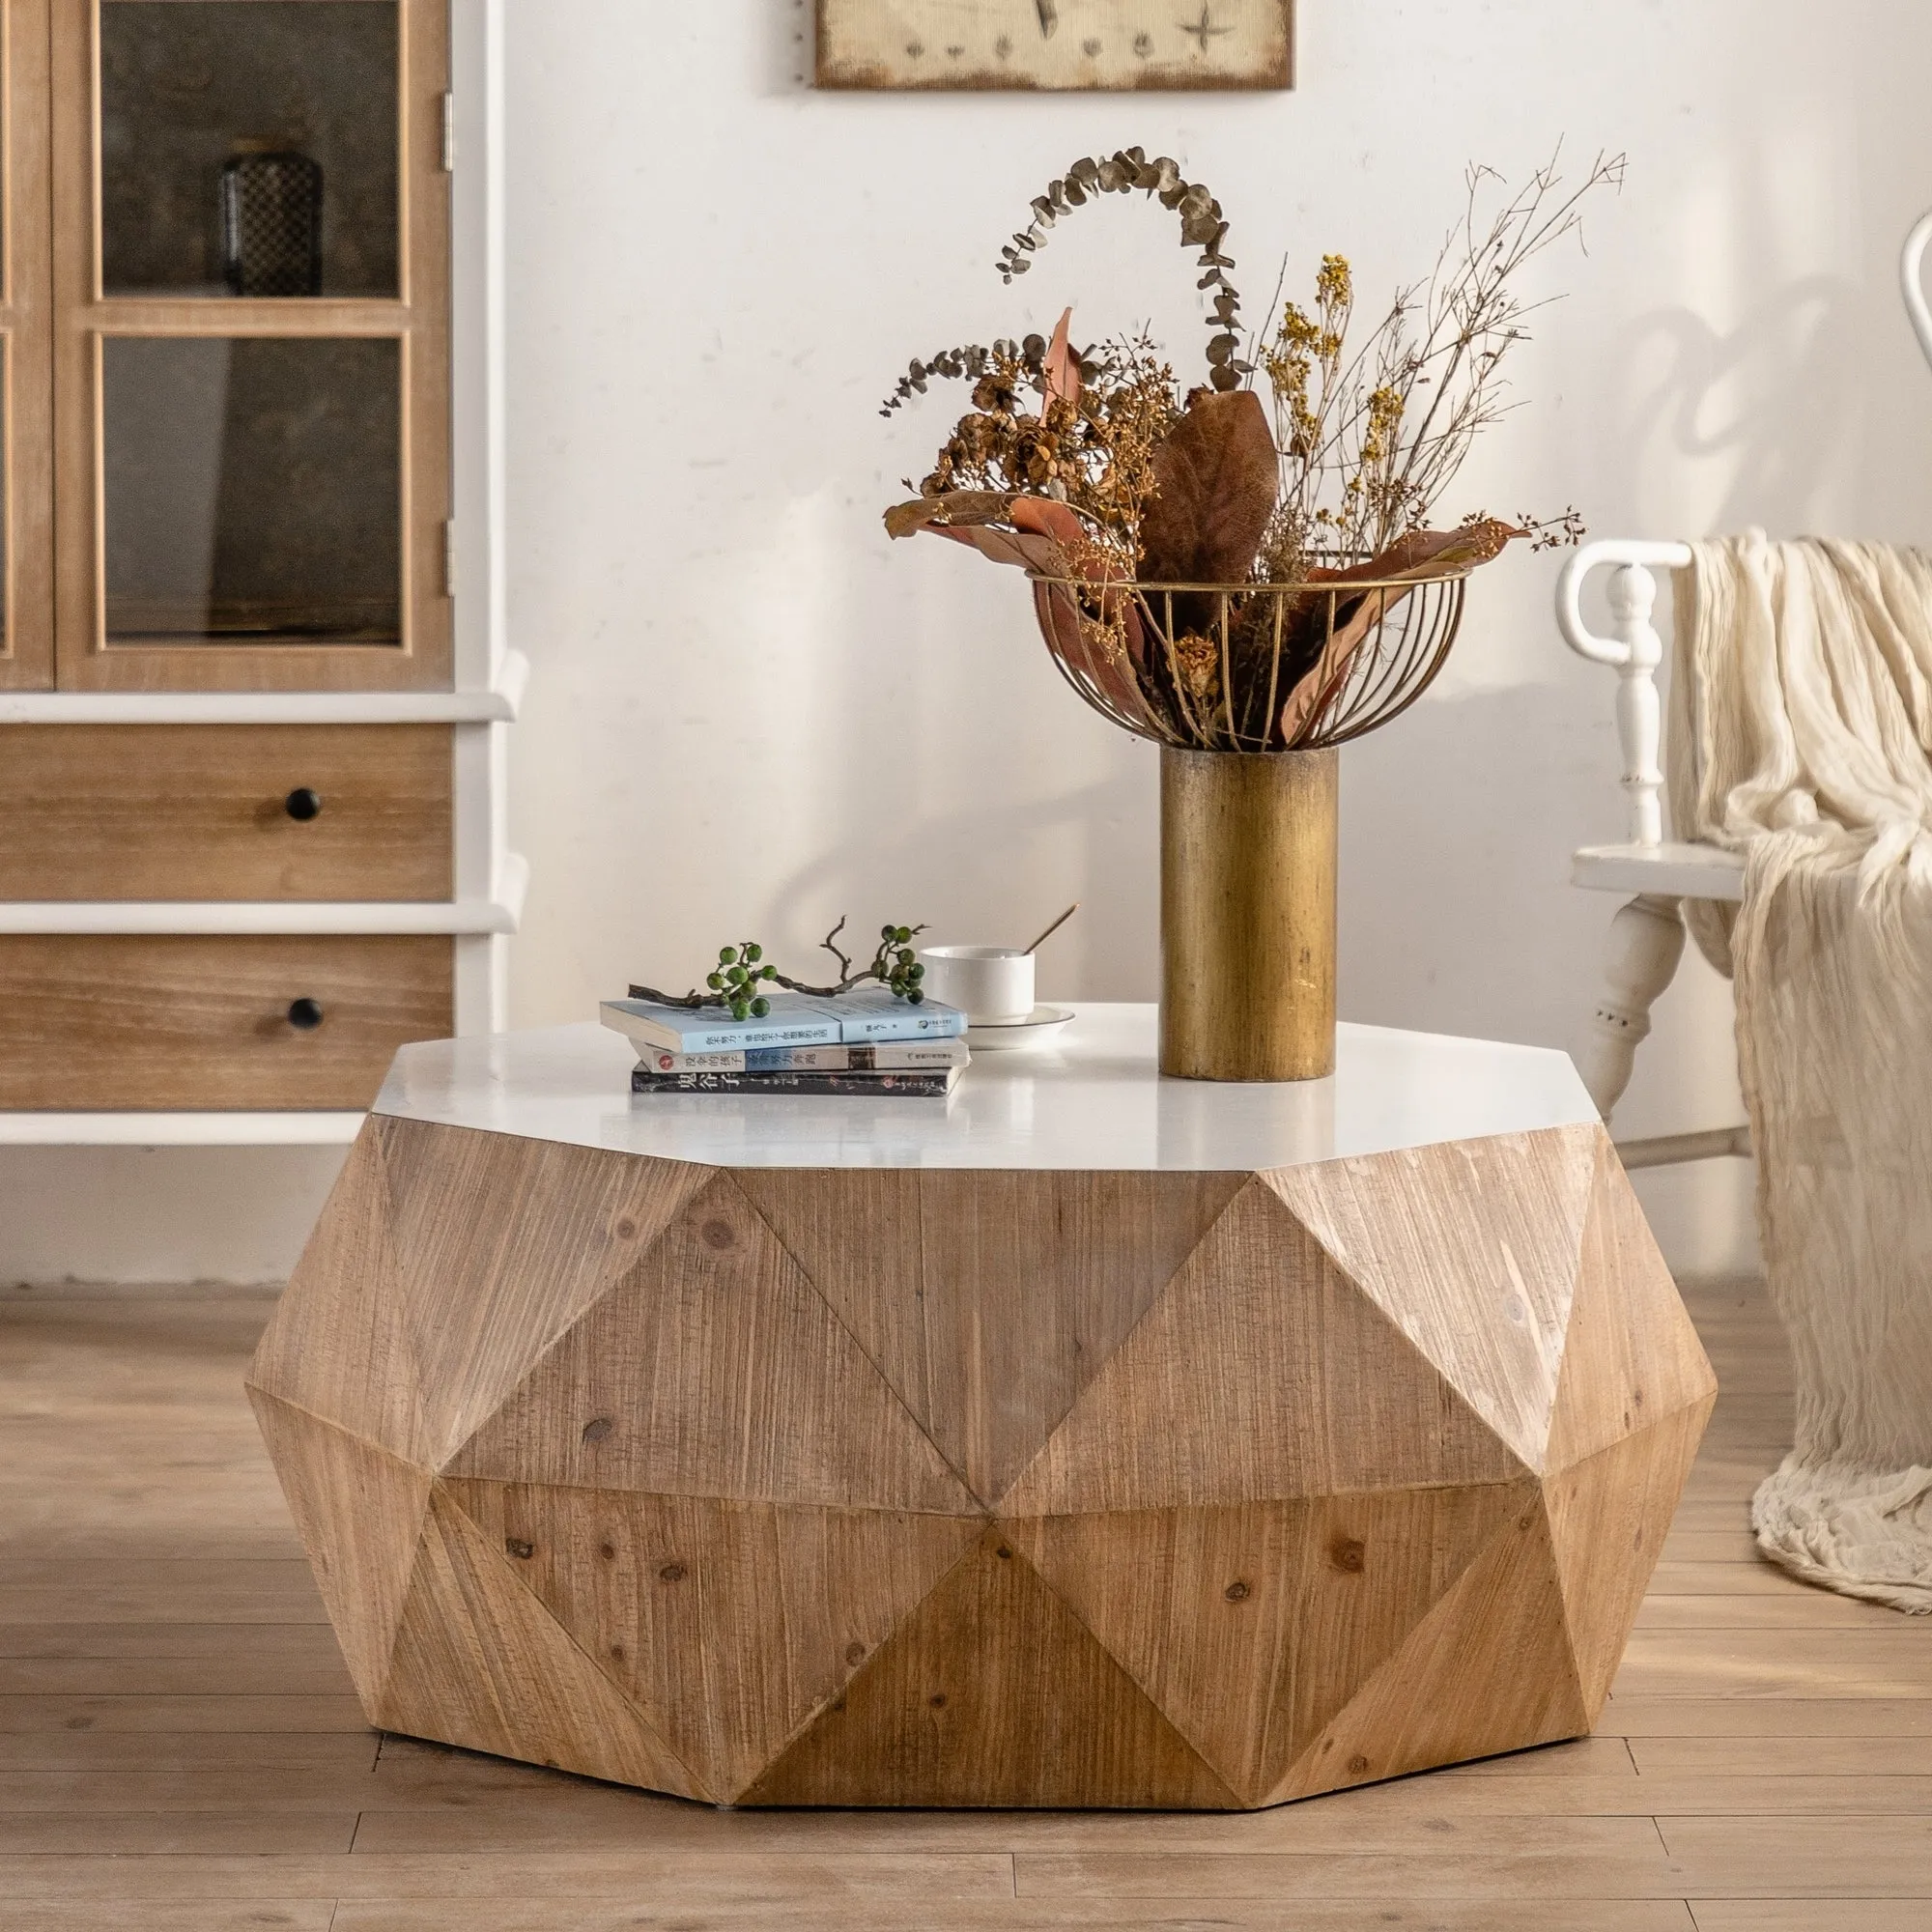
{"x": 1775, "y": 401}
{"x": 1103, "y": 834}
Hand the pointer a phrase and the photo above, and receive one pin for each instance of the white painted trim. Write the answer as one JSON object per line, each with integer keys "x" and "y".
{"x": 159, "y": 1131}
{"x": 498, "y": 706}
{"x": 266, "y": 916}
{"x": 1911, "y": 280}
{"x": 1665, "y": 871}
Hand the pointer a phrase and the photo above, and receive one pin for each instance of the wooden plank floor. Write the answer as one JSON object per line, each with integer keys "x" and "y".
{"x": 178, "y": 1747}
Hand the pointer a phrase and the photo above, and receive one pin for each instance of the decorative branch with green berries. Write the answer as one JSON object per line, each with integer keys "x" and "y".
{"x": 742, "y": 969}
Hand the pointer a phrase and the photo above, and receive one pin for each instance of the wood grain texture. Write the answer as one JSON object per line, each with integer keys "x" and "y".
{"x": 337, "y": 1346}
{"x": 1607, "y": 1515}
{"x": 937, "y": 1275}
{"x": 361, "y": 1512}
{"x": 1632, "y": 1356}
{"x": 715, "y": 1368}
{"x": 1251, "y": 1625}
{"x": 542, "y": 1233}
{"x": 1471, "y": 1249}
{"x": 26, "y": 330}
{"x": 198, "y": 811}
{"x": 418, "y": 319}
{"x": 992, "y": 1692}
{"x": 1247, "y": 914}
{"x": 1262, "y": 1373}
{"x": 136, "y": 1022}
{"x": 1489, "y": 1668}
{"x": 126, "y": 1436}
{"x": 478, "y": 1659}
{"x": 728, "y": 1623}
{"x": 978, "y": 1488}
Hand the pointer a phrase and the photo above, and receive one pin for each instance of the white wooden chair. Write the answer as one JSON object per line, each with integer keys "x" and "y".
{"x": 1647, "y": 934}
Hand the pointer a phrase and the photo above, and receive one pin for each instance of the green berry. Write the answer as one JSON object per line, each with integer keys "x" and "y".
{"x": 760, "y": 1007}
{"x": 905, "y": 958}
{"x": 753, "y": 954}
{"x": 914, "y": 971}
{"x": 917, "y": 997}
{"x": 726, "y": 954}
{"x": 715, "y": 980}
{"x": 902, "y": 933}
{"x": 769, "y": 973}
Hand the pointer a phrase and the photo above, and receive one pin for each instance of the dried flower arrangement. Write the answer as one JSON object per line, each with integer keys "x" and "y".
{"x": 742, "y": 969}
{"x": 1214, "y": 574}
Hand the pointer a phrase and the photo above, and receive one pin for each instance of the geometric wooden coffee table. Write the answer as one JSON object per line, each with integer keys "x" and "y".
{"x": 1090, "y": 1439}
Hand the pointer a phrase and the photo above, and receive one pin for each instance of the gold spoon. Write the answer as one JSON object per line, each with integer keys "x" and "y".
{"x": 1054, "y": 927}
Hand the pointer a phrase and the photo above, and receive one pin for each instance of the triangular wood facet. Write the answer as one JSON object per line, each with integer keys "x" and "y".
{"x": 940, "y": 1274}
{"x": 1632, "y": 1358}
{"x": 478, "y": 1661}
{"x": 1250, "y": 1626}
{"x": 728, "y": 1624}
{"x": 1261, "y": 1372}
{"x": 1488, "y": 1670}
{"x": 992, "y": 1694}
{"x": 336, "y": 1344}
{"x": 1470, "y": 1248}
{"x": 359, "y": 1511}
{"x": 503, "y": 1242}
{"x": 1607, "y": 1520}
{"x": 715, "y": 1368}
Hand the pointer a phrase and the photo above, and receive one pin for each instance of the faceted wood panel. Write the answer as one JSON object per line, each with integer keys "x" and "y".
{"x": 1488, "y": 1670}
{"x": 1632, "y": 1356}
{"x": 480, "y": 1663}
{"x": 337, "y": 1345}
{"x": 1251, "y": 1624}
{"x": 1474, "y": 1257}
{"x": 727, "y": 1622}
{"x": 543, "y": 1232}
{"x": 991, "y": 1693}
{"x": 1263, "y": 1371}
{"x": 699, "y": 1479}
{"x": 715, "y": 1368}
{"x": 937, "y": 1275}
{"x": 359, "y": 1511}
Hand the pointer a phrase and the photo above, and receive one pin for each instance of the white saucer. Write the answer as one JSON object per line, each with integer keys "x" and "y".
{"x": 1003, "y": 1036}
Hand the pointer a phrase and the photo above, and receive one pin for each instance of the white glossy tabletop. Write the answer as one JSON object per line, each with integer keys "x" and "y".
{"x": 1090, "y": 1100}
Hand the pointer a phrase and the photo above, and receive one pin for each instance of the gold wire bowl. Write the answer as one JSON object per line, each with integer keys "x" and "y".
{"x": 1250, "y": 666}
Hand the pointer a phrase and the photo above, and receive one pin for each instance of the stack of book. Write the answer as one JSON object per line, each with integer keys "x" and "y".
{"x": 864, "y": 1041}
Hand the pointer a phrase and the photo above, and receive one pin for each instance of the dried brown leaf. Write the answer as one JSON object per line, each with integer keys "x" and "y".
{"x": 1216, "y": 477}
{"x": 1060, "y": 368}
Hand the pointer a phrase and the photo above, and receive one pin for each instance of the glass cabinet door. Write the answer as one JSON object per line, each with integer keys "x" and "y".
{"x": 251, "y": 271}
{"x": 26, "y": 371}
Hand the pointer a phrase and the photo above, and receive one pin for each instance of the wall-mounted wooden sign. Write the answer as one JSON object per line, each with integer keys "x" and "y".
{"x": 1102, "y": 45}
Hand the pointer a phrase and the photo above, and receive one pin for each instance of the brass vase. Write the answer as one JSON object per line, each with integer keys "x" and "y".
{"x": 1247, "y": 914}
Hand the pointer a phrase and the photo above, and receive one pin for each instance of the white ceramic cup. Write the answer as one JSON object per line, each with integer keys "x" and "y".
{"x": 992, "y": 985}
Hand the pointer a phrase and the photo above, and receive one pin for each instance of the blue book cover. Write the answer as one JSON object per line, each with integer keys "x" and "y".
{"x": 872, "y": 1012}
{"x": 793, "y": 1021}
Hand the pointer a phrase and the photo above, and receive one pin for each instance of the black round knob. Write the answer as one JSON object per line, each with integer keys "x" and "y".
{"x": 304, "y": 804}
{"x": 305, "y": 1016}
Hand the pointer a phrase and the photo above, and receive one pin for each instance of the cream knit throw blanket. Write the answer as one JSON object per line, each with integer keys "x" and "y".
{"x": 1802, "y": 736}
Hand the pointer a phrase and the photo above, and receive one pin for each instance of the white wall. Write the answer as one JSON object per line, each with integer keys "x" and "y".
{"x": 750, "y": 713}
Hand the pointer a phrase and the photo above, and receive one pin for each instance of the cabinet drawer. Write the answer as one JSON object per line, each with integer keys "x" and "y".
{"x": 225, "y": 811}
{"x": 130, "y": 1023}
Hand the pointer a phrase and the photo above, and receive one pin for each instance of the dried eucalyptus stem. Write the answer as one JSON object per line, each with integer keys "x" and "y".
{"x": 742, "y": 969}
{"x": 1203, "y": 226}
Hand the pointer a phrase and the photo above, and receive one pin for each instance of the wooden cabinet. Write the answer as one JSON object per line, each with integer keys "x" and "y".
{"x": 249, "y": 701}
{"x": 225, "y": 811}
{"x": 178, "y": 1021}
